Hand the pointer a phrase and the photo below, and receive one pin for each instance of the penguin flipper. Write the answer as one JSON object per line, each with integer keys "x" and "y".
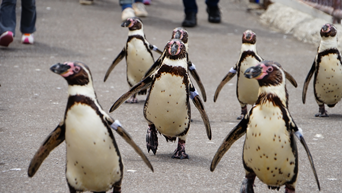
{"x": 55, "y": 138}
{"x": 155, "y": 66}
{"x": 198, "y": 80}
{"x": 291, "y": 79}
{"x": 302, "y": 141}
{"x": 117, "y": 127}
{"x": 114, "y": 63}
{"x": 199, "y": 105}
{"x": 307, "y": 81}
{"x": 226, "y": 79}
{"x": 145, "y": 83}
{"x": 235, "y": 134}
{"x": 155, "y": 48}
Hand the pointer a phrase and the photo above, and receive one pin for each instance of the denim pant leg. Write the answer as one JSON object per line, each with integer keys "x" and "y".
{"x": 7, "y": 16}
{"x": 28, "y": 16}
{"x": 212, "y": 3}
{"x": 121, "y": 2}
{"x": 190, "y": 6}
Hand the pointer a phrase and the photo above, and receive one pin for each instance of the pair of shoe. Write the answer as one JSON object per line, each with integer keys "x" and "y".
{"x": 7, "y": 37}
{"x": 138, "y": 10}
{"x": 86, "y": 2}
{"x": 214, "y": 16}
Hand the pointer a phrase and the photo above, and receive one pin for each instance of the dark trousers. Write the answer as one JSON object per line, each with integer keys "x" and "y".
{"x": 190, "y": 6}
{"x": 8, "y": 17}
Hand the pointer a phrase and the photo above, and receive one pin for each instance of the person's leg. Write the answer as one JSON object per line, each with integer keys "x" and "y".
{"x": 28, "y": 16}
{"x": 139, "y": 8}
{"x": 7, "y": 22}
{"x": 214, "y": 14}
{"x": 127, "y": 10}
{"x": 28, "y": 21}
{"x": 7, "y": 16}
{"x": 190, "y": 10}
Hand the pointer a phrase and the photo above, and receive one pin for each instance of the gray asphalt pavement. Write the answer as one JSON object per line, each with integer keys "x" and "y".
{"x": 33, "y": 99}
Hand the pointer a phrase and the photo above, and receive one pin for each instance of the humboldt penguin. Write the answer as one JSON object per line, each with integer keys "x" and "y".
{"x": 138, "y": 54}
{"x": 246, "y": 89}
{"x": 93, "y": 160}
{"x": 327, "y": 71}
{"x": 270, "y": 150}
{"x": 182, "y": 34}
{"x": 167, "y": 107}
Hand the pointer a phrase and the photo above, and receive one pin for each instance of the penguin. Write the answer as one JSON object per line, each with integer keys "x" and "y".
{"x": 327, "y": 71}
{"x": 270, "y": 150}
{"x": 93, "y": 160}
{"x": 167, "y": 107}
{"x": 181, "y": 34}
{"x": 246, "y": 89}
{"x": 138, "y": 54}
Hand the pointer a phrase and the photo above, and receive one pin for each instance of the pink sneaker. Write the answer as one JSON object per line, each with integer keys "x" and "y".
{"x": 27, "y": 39}
{"x": 6, "y": 38}
{"x": 147, "y": 2}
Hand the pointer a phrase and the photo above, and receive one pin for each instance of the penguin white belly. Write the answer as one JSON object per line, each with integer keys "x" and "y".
{"x": 167, "y": 106}
{"x": 328, "y": 83}
{"x": 267, "y": 148}
{"x": 247, "y": 89}
{"x": 92, "y": 160}
{"x": 139, "y": 60}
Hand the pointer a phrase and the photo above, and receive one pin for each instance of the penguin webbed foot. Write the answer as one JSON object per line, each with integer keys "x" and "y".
{"x": 152, "y": 139}
{"x": 247, "y": 185}
{"x": 274, "y": 187}
{"x": 133, "y": 99}
{"x": 180, "y": 151}
{"x": 322, "y": 112}
{"x": 289, "y": 189}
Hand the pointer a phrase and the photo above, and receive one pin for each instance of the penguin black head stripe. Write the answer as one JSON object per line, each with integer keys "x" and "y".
{"x": 180, "y": 33}
{"x": 328, "y": 30}
{"x": 249, "y": 37}
{"x": 75, "y": 73}
{"x": 267, "y": 73}
{"x": 133, "y": 23}
{"x": 175, "y": 49}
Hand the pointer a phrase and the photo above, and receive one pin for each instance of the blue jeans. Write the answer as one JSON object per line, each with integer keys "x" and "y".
{"x": 8, "y": 17}
{"x": 190, "y": 6}
{"x": 128, "y": 3}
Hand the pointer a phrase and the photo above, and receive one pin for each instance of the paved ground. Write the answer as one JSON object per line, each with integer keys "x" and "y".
{"x": 33, "y": 99}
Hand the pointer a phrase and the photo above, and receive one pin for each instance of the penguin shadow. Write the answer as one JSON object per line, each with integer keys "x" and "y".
{"x": 196, "y": 160}
{"x": 140, "y": 102}
{"x": 331, "y": 117}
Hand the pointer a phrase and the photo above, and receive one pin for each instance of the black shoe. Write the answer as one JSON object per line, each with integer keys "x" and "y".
{"x": 214, "y": 14}
{"x": 190, "y": 20}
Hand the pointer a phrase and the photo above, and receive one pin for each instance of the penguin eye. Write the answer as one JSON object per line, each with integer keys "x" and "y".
{"x": 269, "y": 69}
{"x": 77, "y": 69}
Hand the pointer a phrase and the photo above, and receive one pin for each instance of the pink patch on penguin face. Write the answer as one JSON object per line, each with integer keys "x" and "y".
{"x": 72, "y": 70}
{"x": 132, "y": 22}
{"x": 265, "y": 71}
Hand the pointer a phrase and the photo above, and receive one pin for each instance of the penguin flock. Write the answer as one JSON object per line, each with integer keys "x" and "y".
{"x": 93, "y": 159}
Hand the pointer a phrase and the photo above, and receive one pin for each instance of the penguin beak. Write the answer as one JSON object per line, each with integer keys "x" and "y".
{"x": 60, "y": 68}
{"x": 253, "y": 72}
{"x": 126, "y": 23}
{"x": 174, "y": 49}
{"x": 248, "y": 36}
{"x": 325, "y": 27}
{"x": 178, "y": 35}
